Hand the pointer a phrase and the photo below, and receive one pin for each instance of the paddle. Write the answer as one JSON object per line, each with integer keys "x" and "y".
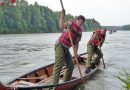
{"x": 73, "y": 48}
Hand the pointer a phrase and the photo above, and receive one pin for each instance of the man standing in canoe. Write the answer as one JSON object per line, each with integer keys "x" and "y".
{"x": 62, "y": 45}
{"x": 96, "y": 41}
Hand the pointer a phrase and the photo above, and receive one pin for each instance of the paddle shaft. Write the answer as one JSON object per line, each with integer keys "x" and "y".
{"x": 73, "y": 48}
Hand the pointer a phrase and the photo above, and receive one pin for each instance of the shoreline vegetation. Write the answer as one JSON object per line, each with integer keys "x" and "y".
{"x": 124, "y": 77}
{"x": 27, "y": 18}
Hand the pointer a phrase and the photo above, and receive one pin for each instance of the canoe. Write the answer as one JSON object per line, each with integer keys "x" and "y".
{"x": 41, "y": 78}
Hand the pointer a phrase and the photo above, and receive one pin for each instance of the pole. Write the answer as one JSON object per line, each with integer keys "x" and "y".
{"x": 102, "y": 59}
{"x": 73, "y": 48}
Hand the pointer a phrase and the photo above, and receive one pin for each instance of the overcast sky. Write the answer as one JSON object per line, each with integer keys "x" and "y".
{"x": 107, "y": 12}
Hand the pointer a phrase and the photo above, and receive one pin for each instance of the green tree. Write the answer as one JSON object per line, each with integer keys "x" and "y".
{"x": 25, "y": 18}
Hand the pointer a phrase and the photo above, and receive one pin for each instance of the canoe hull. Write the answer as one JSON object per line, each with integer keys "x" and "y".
{"x": 63, "y": 86}
{"x": 69, "y": 85}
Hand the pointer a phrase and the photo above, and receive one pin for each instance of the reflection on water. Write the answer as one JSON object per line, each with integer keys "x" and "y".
{"x": 20, "y": 53}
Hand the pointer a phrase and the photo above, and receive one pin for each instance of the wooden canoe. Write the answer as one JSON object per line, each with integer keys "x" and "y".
{"x": 41, "y": 78}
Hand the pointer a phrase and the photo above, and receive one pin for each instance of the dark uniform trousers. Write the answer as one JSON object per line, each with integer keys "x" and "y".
{"x": 91, "y": 50}
{"x": 62, "y": 56}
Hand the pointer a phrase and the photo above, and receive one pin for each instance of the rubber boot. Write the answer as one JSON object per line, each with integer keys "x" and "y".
{"x": 93, "y": 66}
{"x": 87, "y": 70}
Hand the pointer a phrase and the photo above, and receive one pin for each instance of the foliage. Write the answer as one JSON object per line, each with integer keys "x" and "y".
{"x": 25, "y": 18}
{"x": 125, "y": 78}
{"x": 126, "y": 27}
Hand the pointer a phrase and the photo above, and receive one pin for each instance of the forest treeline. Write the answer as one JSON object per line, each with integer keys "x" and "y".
{"x": 28, "y": 18}
{"x": 124, "y": 27}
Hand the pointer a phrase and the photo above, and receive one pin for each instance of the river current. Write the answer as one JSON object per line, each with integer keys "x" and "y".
{"x": 21, "y": 53}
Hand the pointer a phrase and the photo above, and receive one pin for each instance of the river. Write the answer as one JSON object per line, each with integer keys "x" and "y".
{"x": 21, "y": 53}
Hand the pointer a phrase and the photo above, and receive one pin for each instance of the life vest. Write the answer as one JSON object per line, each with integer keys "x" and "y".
{"x": 97, "y": 41}
{"x": 13, "y": 2}
{"x": 76, "y": 34}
